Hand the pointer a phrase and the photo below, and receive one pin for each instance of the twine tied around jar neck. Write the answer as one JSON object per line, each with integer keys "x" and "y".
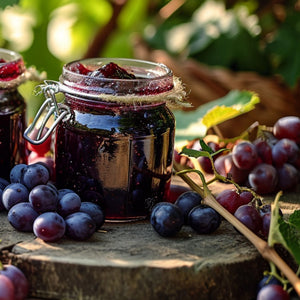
{"x": 30, "y": 74}
{"x": 174, "y": 98}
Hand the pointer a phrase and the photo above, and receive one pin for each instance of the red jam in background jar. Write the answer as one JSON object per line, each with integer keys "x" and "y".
{"x": 115, "y": 148}
{"x": 12, "y": 112}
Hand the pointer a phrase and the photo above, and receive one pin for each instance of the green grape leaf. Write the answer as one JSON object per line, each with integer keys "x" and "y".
{"x": 285, "y": 232}
{"x": 291, "y": 235}
{"x": 194, "y": 153}
{"x": 4, "y": 3}
{"x": 295, "y": 218}
{"x": 194, "y": 124}
{"x": 205, "y": 147}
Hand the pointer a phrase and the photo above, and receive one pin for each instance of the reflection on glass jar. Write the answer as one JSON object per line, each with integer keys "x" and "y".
{"x": 120, "y": 157}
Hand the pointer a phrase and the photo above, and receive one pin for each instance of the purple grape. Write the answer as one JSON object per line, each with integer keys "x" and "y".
{"x": 287, "y": 127}
{"x": 18, "y": 279}
{"x": 94, "y": 211}
{"x": 14, "y": 193}
{"x": 225, "y": 166}
{"x": 43, "y": 198}
{"x": 49, "y": 226}
{"x": 266, "y": 280}
{"x": 244, "y": 155}
{"x": 204, "y": 219}
{"x": 16, "y": 173}
{"x": 62, "y": 192}
{"x": 68, "y": 204}
{"x": 21, "y": 216}
{"x": 266, "y": 220}
{"x": 264, "y": 151}
{"x": 166, "y": 219}
{"x": 263, "y": 179}
{"x": 205, "y": 164}
{"x": 187, "y": 201}
{"x": 79, "y": 226}
{"x": 3, "y": 183}
{"x": 285, "y": 151}
{"x": 266, "y": 209}
{"x": 245, "y": 197}
{"x": 35, "y": 174}
{"x": 288, "y": 177}
{"x": 229, "y": 199}
{"x": 272, "y": 292}
{"x": 7, "y": 289}
{"x": 250, "y": 217}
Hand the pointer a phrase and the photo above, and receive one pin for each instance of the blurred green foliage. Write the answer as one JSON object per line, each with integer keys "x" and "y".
{"x": 261, "y": 36}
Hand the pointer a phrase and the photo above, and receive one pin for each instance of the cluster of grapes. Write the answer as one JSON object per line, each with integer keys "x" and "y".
{"x": 168, "y": 218}
{"x": 248, "y": 210}
{"x": 13, "y": 283}
{"x": 35, "y": 205}
{"x": 269, "y": 163}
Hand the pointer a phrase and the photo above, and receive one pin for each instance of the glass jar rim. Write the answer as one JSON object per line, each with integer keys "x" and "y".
{"x": 9, "y": 55}
{"x": 151, "y": 78}
{"x": 128, "y": 63}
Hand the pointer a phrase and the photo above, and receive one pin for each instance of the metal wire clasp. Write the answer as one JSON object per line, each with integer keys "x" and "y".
{"x": 37, "y": 132}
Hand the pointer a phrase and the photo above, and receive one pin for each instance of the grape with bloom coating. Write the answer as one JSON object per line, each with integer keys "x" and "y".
{"x": 49, "y": 227}
{"x": 43, "y": 198}
{"x": 204, "y": 219}
{"x": 287, "y": 127}
{"x": 35, "y": 174}
{"x": 285, "y": 151}
{"x": 229, "y": 199}
{"x": 80, "y": 226}
{"x": 21, "y": 216}
{"x": 288, "y": 177}
{"x": 263, "y": 179}
{"x": 225, "y": 166}
{"x": 94, "y": 211}
{"x": 264, "y": 151}
{"x": 166, "y": 219}
{"x": 244, "y": 155}
{"x": 68, "y": 204}
{"x": 18, "y": 279}
{"x": 14, "y": 193}
{"x": 7, "y": 289}
{"x": 273, "y": 292}
{"x": 187, "y": 201}
{"x": 250, "y": 217}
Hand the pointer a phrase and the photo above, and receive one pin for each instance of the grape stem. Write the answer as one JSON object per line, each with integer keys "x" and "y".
{"x": 262, "y": 246}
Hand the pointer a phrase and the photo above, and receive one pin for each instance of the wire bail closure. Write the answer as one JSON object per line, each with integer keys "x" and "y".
{"x": 49, "y": 108}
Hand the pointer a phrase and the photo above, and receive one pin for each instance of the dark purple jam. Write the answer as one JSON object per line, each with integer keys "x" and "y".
{"x": 12, "y": 119}
{"x": 119, "y": 156}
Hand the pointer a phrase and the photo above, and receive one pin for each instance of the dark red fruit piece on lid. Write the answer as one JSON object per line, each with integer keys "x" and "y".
{"x": 112, "y": 70}
{"x": 10, "y": 70}
{"x": 79, "y": 68}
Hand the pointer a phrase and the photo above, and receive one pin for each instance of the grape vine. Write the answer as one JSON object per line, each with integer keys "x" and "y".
{"x": 281, "y": 231}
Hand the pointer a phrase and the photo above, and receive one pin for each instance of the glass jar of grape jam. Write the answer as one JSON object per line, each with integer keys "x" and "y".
{"x": 115, "y": 137}
{"x": 12, "y": 112}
